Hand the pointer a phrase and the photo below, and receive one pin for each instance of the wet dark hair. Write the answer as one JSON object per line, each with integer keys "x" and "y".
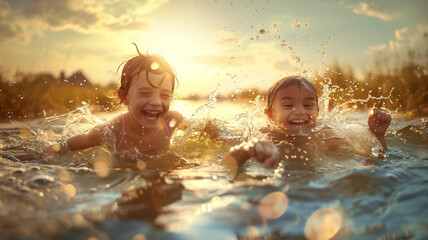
{"x": 287, "y": 82}
{"x": 144, "y": 62}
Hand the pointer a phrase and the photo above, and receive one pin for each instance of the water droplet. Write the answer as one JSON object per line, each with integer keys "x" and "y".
{"x": 24, "y": 189}
{"x": 173, "y": 122}
{"x": 41, "y": 181}
{"x": 81, "y": 170}
{"x": 18, "y": 171}
{"x": 296, "y": 24}
{"x": 262, "y": 31}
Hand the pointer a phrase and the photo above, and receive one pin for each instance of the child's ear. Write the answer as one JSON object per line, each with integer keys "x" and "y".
{"x": 268, "y": 112}
{"x": 122, "y": 96}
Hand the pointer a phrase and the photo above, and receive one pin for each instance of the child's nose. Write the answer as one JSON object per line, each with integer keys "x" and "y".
{"x": 155, "y": 100}
{"x": 299, "y": 110}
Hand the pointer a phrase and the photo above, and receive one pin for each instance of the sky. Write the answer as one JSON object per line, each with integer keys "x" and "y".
{"x": 210, "y": 43}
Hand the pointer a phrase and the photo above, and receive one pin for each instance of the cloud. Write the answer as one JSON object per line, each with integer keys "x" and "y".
{"x": 394, "y": 46}
{"x": 371, "y": 10}
{"x": 119, "y": 8}
{"x": 412, "y": 37}
{"x": 226, "y": 38}
{"x": 9, "y": 29}
{"x": 59, "y": 15}
{"x": 284, "y": 65}
{"x": 129, "y": 14}
{"x": 372, "y": 49}
{"x": 129, "y": 24}
{"x": 405, "y": 34}
{"x": 83, "y": 16}
{"x": 405, "y": 38}
{"x": 4, "y": 9}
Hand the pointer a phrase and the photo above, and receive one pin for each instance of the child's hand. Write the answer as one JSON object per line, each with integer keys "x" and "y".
{"x": 378, "y": 122}
{"x": 264, "y": 152}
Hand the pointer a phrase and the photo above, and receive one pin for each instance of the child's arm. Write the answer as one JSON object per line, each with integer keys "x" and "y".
{"x": 378, "y": 122}
{"x": 78, "y": 142}
{"x": 264, "y": 152}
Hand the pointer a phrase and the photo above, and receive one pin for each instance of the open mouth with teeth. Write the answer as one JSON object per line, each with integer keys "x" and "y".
{"x": 151, "y": 114}
{"x": 298, "y": 123}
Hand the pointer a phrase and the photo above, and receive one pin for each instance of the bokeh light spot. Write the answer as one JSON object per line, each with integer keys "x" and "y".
{"x": 323, "y": 224}
{"x": 64, "y": 175}
{"x": 273, "y": 205}
{"x": 155, "y": 66}
{"x": 69, "y": 190}
{"x": 102, "y": 167}
{"x": 139, "y": 237}
{"x": 141, "y": 165}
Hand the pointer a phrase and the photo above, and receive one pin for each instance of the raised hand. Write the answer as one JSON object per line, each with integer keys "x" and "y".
{"x": 264, "y": 152}
{"x": 378, "y": 122}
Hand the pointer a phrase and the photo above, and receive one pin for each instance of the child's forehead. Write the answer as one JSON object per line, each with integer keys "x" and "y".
{"x": 295, "y": 89}
{"x": 144, "y": 78}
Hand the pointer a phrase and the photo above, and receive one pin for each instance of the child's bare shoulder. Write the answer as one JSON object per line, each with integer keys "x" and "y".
{"x": 114, "y": 124}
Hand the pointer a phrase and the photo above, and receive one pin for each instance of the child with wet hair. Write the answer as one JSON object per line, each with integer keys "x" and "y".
{"x": 292, "y": 110}
{"x": 147, "y": 83}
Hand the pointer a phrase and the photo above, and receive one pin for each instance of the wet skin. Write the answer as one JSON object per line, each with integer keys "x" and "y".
{"x": 148, "y": 105}
{"x": 294, "y": 109}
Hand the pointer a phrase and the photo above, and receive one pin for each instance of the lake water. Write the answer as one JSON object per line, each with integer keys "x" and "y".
{"x": 338, "y": 195}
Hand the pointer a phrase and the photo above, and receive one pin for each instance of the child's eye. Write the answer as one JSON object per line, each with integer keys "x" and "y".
{"x": 165, "y": 95}
{"x": 288, "y": 105}
{"x": 309, "y": 105}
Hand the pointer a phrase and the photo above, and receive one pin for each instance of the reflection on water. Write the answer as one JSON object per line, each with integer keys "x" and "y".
{"x": 84, "y": 195}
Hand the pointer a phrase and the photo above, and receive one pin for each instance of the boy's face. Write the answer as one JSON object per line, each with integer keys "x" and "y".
{"x": 146, "y": 104}
{"x": 295, "y": 109}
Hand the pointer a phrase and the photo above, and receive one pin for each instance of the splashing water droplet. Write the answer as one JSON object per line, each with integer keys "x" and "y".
{"x": 297, "y": 24}
{"x": 173, "y": 122}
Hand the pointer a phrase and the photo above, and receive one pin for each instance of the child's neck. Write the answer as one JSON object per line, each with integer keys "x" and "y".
{"x": 135, "y": 128}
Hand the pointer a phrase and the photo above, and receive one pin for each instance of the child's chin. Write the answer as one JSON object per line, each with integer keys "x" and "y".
{"x": 298, "y": 130}
{"x": 150, "y": 123}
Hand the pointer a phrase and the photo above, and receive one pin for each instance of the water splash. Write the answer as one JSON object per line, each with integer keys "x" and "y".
{"x": 323, "y": 50}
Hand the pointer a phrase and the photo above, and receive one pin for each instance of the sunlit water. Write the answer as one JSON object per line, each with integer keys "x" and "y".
{"x": 185, "y": 194}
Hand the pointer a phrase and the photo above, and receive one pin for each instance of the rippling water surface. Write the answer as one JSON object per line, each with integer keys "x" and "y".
{"x": 186, "y": 195}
